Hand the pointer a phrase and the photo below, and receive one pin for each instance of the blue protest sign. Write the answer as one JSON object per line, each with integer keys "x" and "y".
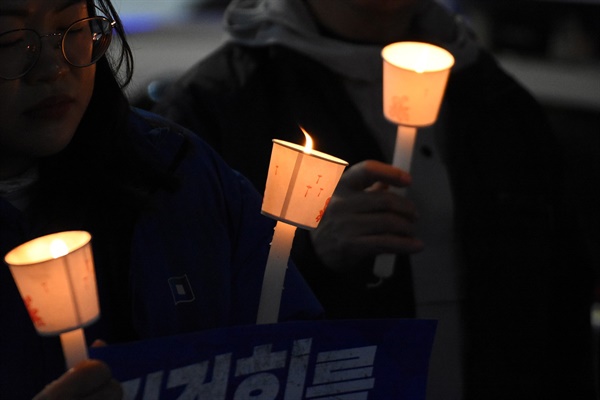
{"x": 348, "y": 360}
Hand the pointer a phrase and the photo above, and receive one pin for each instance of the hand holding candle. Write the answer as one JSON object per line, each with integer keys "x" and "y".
{"x": 56, "y": 279}
{"x": 299, "y": 185}
{"x": 414, "y": 82}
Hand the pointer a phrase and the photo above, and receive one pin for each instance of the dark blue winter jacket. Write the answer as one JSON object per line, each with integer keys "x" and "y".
{"x": 194, "y": 260}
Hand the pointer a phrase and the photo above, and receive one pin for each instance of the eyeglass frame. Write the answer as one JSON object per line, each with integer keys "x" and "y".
{"x": 62, "y": 35}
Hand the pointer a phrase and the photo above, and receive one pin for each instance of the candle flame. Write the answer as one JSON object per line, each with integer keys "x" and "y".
{"x": 309, "y": 142}
{"x": 58, "y": 248}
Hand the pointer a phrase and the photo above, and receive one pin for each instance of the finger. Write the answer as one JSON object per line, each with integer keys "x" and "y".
{"x": 90, "y": 379}
{"x": 377, "y": 187}
{"x": 352, "y": 252}
{"x": 371, "y": 202}
{"x": 373, "y": 224}
{"x": 348, "y": 250}
{"x": 389, "y": 244}
{"x": 364, "y": 174}
{"x": 111, "y": 391}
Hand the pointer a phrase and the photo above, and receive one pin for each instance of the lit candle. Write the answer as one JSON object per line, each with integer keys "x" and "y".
{"x": 414, "y": 81}
{"x": 55, "y": 277}
{"x": 300, "y": 183}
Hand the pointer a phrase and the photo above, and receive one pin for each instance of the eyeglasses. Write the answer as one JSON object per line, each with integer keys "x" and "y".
{"x": 82, "y": 44}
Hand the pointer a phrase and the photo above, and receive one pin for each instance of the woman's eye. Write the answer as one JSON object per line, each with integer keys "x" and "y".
{"x": 11, "y": 39}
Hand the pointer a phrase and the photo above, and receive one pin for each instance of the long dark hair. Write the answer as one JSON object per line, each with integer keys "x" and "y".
{"x": 121, "y": 55}
{"x": 101, "y": 170}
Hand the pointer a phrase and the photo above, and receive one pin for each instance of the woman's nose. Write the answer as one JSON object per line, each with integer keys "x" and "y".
{"x": 51, "y": 65}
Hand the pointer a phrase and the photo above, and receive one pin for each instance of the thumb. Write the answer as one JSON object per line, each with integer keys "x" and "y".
{"x": 91, "y": 378}
{"x": 373, "y": 175}
{"x": 99, "y": 343}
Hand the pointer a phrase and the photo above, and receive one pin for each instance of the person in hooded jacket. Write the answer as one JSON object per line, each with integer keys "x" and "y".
{"x": 484, "y": 241}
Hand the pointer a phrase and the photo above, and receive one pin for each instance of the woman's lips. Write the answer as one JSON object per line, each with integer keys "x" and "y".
{"x": 54, "y": 107}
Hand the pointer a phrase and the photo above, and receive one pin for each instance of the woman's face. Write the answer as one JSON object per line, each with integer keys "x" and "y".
{"x": 40, "y": 112}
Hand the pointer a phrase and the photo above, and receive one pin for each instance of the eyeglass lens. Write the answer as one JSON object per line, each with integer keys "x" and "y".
{"x": 86, "y": 41}
{"x": 82, "y": 45}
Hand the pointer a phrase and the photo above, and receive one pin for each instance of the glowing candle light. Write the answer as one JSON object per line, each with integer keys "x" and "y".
{"x": 58, "y": 248}
{"x": 414, "y": 81}
{"x": 55, "y": 277}
{"x": 300, "y": 183}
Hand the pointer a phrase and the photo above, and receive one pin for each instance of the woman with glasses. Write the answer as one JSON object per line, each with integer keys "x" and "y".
{"x": 158, "y": 202}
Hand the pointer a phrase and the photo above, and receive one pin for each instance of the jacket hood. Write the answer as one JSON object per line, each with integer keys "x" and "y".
{"x": 289, "y": 23}
{"x": 254, "y": 20}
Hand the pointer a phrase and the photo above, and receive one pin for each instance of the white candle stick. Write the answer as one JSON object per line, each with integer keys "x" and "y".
{"x": 270, "y": 297}
{"x": 74, "y": 347}
{"x": 414, "y": 81}
{"x": 300, "y": 183}
{"x": 56, "y": 279}
{"x": 405, "y": 141}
